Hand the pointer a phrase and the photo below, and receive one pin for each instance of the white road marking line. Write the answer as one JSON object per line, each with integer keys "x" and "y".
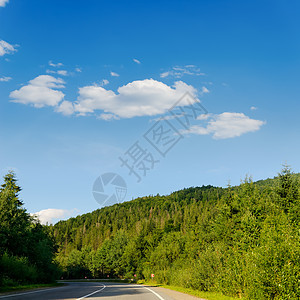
{"x": 92, "y": 293}
{"x": 158, "y": 296}
{"x": 20, "y": 294}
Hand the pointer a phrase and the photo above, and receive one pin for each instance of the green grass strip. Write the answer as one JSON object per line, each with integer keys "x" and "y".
{"x": 5, "y": 289}
{"x": 189, "y": 291}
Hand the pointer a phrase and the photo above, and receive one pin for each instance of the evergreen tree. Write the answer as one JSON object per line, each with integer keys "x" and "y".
{"x": 26, "y": 247}
{"x": 14, "y": 220}
{"x": 287, "y": 189}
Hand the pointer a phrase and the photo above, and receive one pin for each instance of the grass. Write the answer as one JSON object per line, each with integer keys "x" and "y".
{"x": 4, "y": 289}
{"x": 189, "y": 291}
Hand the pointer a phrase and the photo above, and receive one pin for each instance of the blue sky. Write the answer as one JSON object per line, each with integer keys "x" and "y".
{"x": 82, "y": 81}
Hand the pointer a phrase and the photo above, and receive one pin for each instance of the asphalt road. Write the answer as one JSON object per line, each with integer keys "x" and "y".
{"x": 93, "y": 291}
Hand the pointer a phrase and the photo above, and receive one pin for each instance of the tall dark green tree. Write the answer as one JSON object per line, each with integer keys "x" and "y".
{"x": 14, "y": 220}
{"x": 26, "y": 247}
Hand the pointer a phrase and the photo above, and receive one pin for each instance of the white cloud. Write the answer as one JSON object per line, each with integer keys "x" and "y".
{"x": 41, "y": 91}
{"x": 5, "y": 79}
{"x": 6, "y": 48}
{"x": 104, "y": 82}
{"x": 196, "y": 129}
{"x": 139, "y": 98}
{"x": 53, "y": 214}
{"x": 52, "y": 64}
{"x": 136, "y": 61}
{"x": 147, "y": 97}
{"x": 165, "y": 74}
{"x": 178, "y": 71}
{"x": 62, "y": 72}
{"x": 204, "y": 117}
{"x": 78, "y": 70}
{"x": 3, "y": 2}
{"x": 205, "y": 90}
{"x": 227, "y": 125}
{"x": 114, "y": 74}
{"x": 253, "y": 108}
{"x": 59, "y": 72}
{"x": 108, "y": 117}
{"x": 66, "y": 108}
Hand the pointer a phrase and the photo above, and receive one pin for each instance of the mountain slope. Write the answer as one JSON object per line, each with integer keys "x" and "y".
{"x": 241, "y": 240}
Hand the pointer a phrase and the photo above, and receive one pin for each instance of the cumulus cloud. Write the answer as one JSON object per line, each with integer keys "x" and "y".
{"x": 40, "y": 91}
{"x": 52, "y": 64}
{"x": 253, "y": 108}
{"x": 78, "y": 70}
{"x": 227, "y": 125}
{"x": 5, "y": 79}
{"x": 179, "y": 72}
{"x": 6, "y": 48}
{"x": 137, "y": 61}
{"x": 66, "y": 108}
{"x": 147, "y": 97}
{"x": 3, "y": 2}
{"x": 53, "y": 214}
{"x": 114, "y": 74}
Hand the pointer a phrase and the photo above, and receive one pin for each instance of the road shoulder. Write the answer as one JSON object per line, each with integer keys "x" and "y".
{"x": 174, "y": 294}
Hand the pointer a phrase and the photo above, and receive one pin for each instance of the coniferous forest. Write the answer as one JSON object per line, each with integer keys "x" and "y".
{"x": 243, "y": 241}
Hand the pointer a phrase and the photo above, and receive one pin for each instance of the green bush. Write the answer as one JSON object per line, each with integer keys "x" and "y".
{"x": 276, "y": 262}
{"x": 17, "y": 270}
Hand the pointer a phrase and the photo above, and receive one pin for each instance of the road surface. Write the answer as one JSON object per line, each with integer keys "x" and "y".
{"x": 99, "y": 291}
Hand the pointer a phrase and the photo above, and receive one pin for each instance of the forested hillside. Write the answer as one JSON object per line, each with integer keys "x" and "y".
{"x": 242, "y": 241}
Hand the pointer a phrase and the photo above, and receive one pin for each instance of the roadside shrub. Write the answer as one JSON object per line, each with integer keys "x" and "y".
{"x": 276, "y": 270}
{"x": 17, "y": 269}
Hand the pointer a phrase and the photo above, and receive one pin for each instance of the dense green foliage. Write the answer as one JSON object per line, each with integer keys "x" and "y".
{"x": 26, "y": 248}
{"x": 243, "y": 241}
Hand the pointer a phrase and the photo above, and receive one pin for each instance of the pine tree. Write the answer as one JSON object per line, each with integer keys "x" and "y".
{"x": 287, "y": 189}
{"x": 14, "y": 219}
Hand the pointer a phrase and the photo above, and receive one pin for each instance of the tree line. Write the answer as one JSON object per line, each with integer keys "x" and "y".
{"x": 243, "y": 241}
